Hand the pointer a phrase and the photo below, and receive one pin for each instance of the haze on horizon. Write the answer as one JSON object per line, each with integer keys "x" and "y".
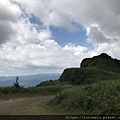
{"x": 47, "y": 36}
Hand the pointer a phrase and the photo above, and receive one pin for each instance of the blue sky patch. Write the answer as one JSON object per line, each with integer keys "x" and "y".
{"x": 63, "y": 37}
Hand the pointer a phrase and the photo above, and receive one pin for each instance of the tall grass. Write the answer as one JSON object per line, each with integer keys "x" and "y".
{"x": 102, "y": 98}
{"x": 8, "y": 92}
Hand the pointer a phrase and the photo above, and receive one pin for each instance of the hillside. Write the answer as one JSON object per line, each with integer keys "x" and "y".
{"x": 101, "y": 98}
{"x": 101, "y": 67}
{"x": 102, "y": 62}
{"x": 92, "y": 89}
{"x": 96, "y": 87}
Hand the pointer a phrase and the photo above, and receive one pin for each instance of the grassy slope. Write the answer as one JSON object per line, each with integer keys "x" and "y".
{"x": 98, "y": 92}
{"x": 102, "y": 98}
{"x": 87, "y": 75}
{"x": 43, "y": 89}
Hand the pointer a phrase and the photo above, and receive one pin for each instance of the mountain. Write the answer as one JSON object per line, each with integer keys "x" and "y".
{"x": 95, "y": 87}
{"x": 30, "y": 80}
{"x": 101, "y": 67}
{"x": 102, "y": 62}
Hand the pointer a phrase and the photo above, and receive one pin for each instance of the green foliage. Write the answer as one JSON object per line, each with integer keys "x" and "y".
{"x": 16, "y": 85}
{"x": 93, "y": 89}
{"x": 86, "y": 75}
{"x": 11, "y": 90}
{"x": 100, "y": 98}
{"x": 45, "y": 88}
{"x": 95, "y": 69}
{"x": 102, "y": 62}
{"x": 49, "y": 83}
{"x": 99, "y": 87}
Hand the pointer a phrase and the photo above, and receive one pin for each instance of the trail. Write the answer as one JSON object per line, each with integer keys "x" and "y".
{"x": 26, "y": 106}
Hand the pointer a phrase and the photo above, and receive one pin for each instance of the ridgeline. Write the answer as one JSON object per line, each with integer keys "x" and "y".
{"x": 91, "y": 89}
{"x": 102, "y": 62}
{"x": 101, "y": 67}
{"x": 96, "y": 87}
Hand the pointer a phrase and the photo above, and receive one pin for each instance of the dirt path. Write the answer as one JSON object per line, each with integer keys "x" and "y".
{"x": 26, "y": 106}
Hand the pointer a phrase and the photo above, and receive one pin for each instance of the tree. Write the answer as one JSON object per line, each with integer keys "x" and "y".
{"x": 16, "y": 84}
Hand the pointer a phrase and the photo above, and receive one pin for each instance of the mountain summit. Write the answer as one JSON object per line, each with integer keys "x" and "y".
{"x": 101, "y": 67}
{"x": 102, "y": 62}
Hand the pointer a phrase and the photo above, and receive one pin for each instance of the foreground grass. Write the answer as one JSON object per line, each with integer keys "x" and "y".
{"x": 29, "y": 101}
{"x": 12, "y": 92}
{"x": 102, "y": 98}
{"x": 60, "y": 98}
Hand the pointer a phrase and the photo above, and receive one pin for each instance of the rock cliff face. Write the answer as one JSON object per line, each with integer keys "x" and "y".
{"x": 101, "y": 67}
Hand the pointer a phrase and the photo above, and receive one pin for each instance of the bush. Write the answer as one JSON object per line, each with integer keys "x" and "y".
{"x": 48, "y": 83}
{"x": 98, "y": 99}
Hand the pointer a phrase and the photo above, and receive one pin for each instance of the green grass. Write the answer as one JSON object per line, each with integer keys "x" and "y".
{"x": 102, "y": 98}
{"x": 13, "y": 92}
{"x": 87, "y": 75}
{"x": 54, "y": 89}
{"x": 49, "y": 83}
{"x": 98, "y": 94}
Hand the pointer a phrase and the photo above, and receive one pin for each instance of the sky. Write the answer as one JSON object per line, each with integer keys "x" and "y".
{"x": 47, "y": 36}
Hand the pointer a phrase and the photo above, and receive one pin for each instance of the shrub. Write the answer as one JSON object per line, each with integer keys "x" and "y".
{"x": 101, "y": 98}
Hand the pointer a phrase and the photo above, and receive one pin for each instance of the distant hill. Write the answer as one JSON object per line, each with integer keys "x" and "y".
{"x": 28, "y": 80}
{"x": 101, "y": 67}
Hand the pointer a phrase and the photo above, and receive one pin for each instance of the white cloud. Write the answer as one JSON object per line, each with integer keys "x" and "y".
{"x": 63, "y": 13}
{"x": 9, "y": 14}
{"x": 9, "y": 11}
{"x": 30, "y": 45}
{"x": 100, "y": 18}
{"x": 97, "y": 36}
{"x": 46, "y": 56}
{"x": 103, "y": 13}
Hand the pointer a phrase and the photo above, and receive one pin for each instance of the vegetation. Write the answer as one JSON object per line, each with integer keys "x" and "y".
{"x": 102, "y": 62}
{"x": 96, "y": 87}
{"x": 49, "y": 83}
{"x": 100, "y": 98}
{"x": 16, "y": 84}
{"x": 78, "y": 76}
{"x": 92, "y": 89}
{"x": 44, "y": 88}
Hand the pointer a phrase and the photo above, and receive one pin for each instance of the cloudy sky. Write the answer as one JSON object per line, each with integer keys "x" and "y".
{"x": 46, "y": 36}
